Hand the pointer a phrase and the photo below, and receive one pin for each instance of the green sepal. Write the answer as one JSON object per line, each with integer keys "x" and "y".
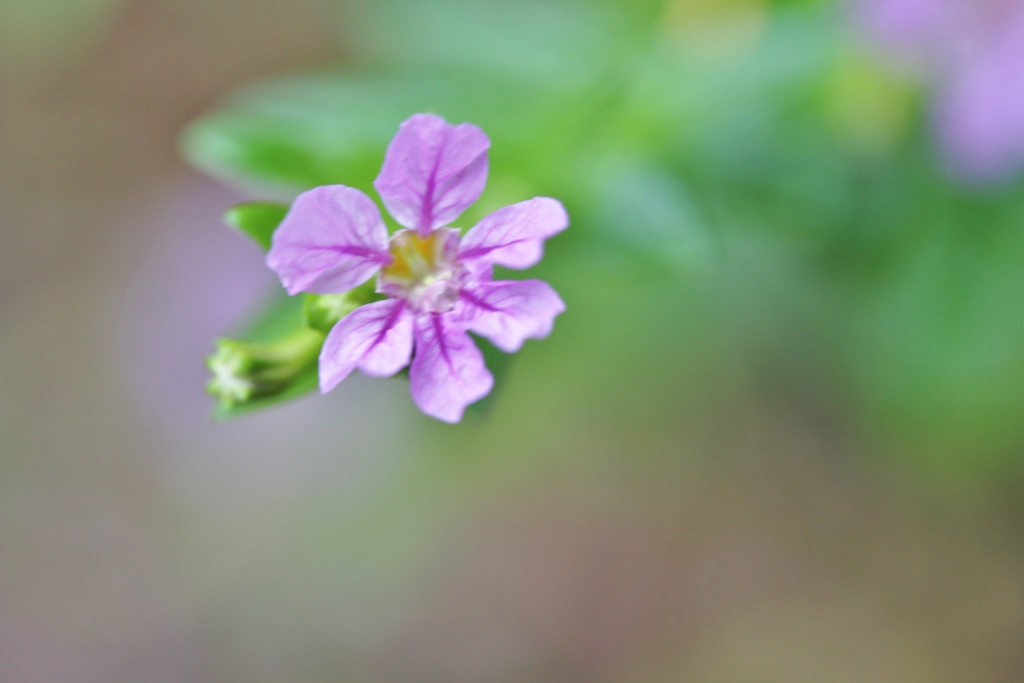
{"x": 258, "y": 220}
{"x": 322, "y": 311}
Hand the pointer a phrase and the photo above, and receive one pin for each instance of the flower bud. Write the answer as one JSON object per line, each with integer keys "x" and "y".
{"x": 246, "y": 374}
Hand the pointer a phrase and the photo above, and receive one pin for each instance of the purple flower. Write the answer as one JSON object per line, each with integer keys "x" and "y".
{"x": 437, "y": 284}
{"x": 974, "y": 51}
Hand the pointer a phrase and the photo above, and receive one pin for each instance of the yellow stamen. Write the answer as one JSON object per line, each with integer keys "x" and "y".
{"x": 415, "y": 258}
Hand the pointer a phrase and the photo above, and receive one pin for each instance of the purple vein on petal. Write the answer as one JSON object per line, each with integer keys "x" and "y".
{"x": 348, "y": 250}
{"x": 477, "y": 252}
{"x": 435, "y": 320}
{"x": 478, "y": 302}
{"x": 427, "y": 210}
{"x": 392, "y": 319}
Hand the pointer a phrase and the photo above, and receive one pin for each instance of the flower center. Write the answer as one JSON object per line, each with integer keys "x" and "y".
{"x": 424, "y": 270}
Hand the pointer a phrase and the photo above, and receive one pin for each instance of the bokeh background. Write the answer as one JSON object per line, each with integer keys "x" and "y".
{"x": 777, "y": 437}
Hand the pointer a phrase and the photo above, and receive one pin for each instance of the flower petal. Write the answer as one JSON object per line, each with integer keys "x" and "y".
{"x": 332, "y": 240}
{"x": 376, "y": 338}
{"x": 508, "y": 312}
{"x": 433, "y": 171}
{"x": 980, "y": 114}
{"x": 514, "y": 236}
{"x": 448, "y": 372}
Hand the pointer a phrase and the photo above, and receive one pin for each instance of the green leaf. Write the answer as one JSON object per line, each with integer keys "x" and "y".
{"x": 646, "y": 213}
{"x": 329, "y": 128}
{"x": 258, "y": 220}
{"x": 937, "y": 347}
{"x": 556, "y": 41}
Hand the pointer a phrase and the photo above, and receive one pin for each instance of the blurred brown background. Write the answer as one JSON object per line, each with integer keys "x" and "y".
{"x": 141, "y": 543}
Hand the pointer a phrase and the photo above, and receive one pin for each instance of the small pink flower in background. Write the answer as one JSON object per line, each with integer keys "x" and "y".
{"x": 974, "y": 51}
{"x": 438, "y": 285}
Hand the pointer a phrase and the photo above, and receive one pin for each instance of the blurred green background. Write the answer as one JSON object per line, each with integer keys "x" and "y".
{"x": 777, "y": 436}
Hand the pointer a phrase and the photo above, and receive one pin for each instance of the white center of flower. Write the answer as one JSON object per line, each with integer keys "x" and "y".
{"x": 424, "y": 270}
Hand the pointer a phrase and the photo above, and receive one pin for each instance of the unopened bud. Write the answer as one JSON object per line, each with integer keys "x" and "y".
{"x": 246, "y": 373}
